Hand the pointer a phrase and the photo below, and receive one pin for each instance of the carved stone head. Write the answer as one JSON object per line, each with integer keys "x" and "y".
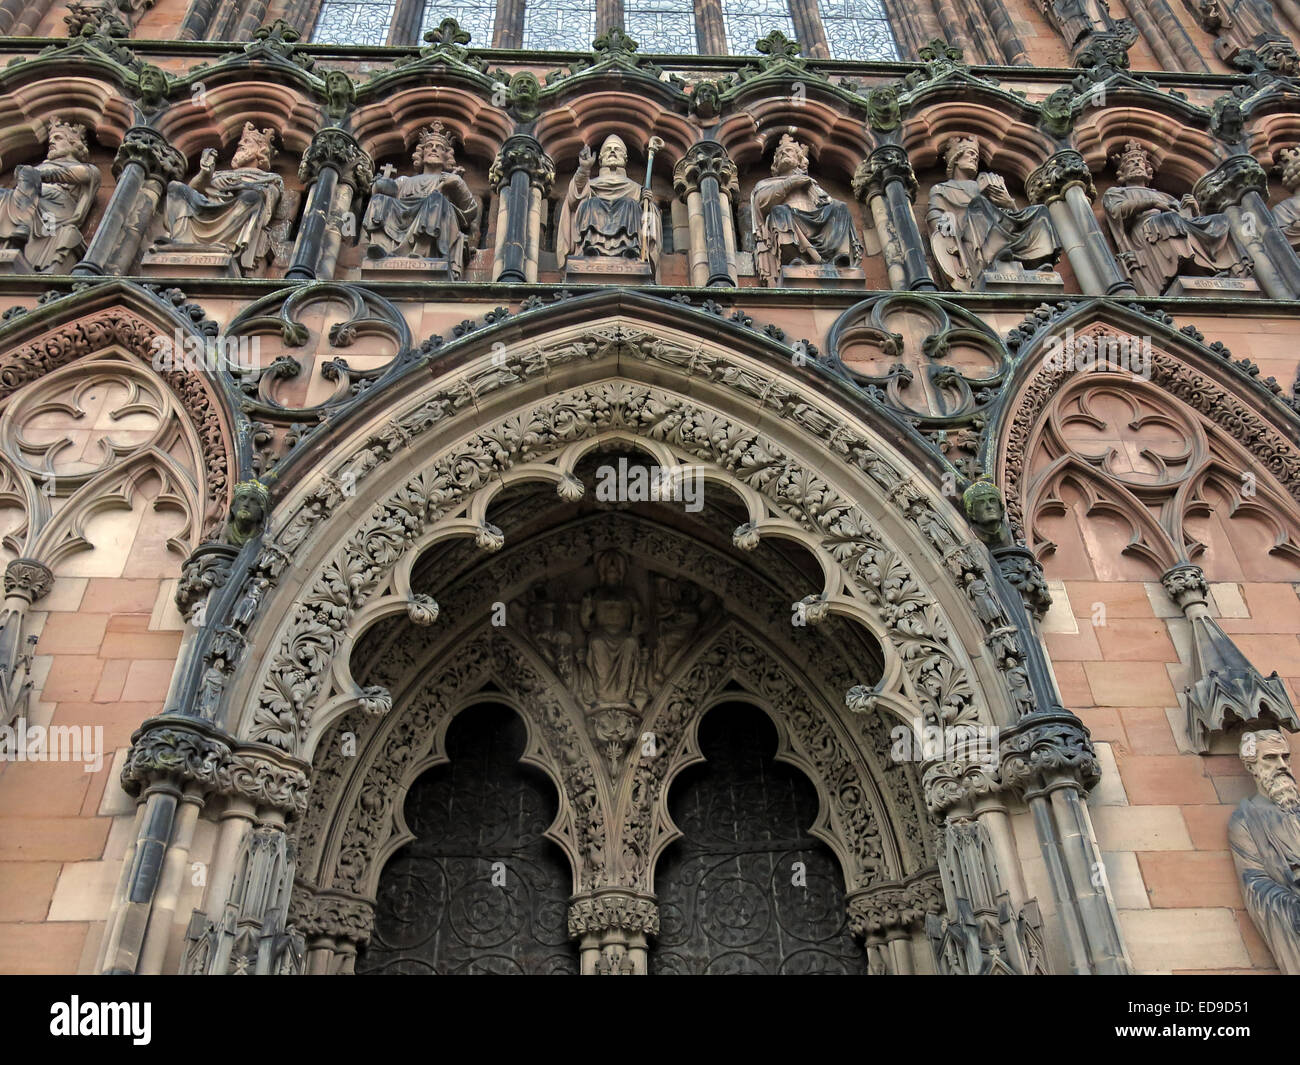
{"x": 611, "y": 568}
{"x": 249, "y": 506}
{"x": 1288, "y": 167}
{"x": 434, "y": 152}
{"x": 985, "y": 509}
{"x": 961, "y": 156}
{"x": 1267, "y": 756}
{"x": 790, "y": 157}
{"x": 1133, "y": 165}
{"x": 613, "y": 153}
{"x": 256, "y": 148}
{"x": 67, "y": 141}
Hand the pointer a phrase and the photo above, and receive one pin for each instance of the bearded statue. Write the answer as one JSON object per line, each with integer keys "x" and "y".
{"x": 1287, "y": 212}
{"x": 1264, "y": 835}
{"x": 608, "y": 214}
{"x": 430, "y": 215}
{"x": 43, "y": 213}
{"x": 797, "y": 221}
{"x": 1157, "y": 237}
{"x": 227, "y": 210}
{"x": 975, "y": 224}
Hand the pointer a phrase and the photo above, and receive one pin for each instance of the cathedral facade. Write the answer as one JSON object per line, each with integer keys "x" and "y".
{"x": 628, "y": 487}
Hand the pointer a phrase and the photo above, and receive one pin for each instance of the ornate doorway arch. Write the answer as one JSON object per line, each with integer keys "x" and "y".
{"x": 879, "y": 551}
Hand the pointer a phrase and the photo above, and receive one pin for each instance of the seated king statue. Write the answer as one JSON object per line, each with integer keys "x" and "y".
{"x": 431, "y": 214}
{"x": 609, "y": 214}
{"x": 43, "y": 213}
{"x": 226, "y": 210}
{"x": 1157, "y": 237}
{"x": 796, "y": 221}
{"x": 975, "y": 224}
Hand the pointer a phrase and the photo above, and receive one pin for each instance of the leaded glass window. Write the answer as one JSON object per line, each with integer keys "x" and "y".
{"x": 666, "y": 26}
{"x": 559, "y": 25}
{"x": 748, "y": 21}
{"x": 475, "y": 17}
{"x": 347, "y": 22}
{"x": 857, "y": 29}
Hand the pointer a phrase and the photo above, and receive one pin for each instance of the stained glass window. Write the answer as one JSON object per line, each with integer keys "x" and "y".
{"x": 475, "y": 18}
{"x": 346, "y": 22}
{"x": 747, "y": 21}
{"x": 857, "y": 29}
{"x": 560, "y": 25}
{"x": 666, "y": 26}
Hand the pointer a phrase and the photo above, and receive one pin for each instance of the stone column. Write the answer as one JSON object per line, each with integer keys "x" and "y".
{"x": 1048, "y": 758}
{"x": 886, "y": 183}
{"x": 705, "y": 180}
{"x": 162, "y": 919}
{"x": 334, "y": 168}
{"x": 26, "y": 580}
{"x": 890, "y": 918}
{"x": 521, "y": 174}
{"x": 611, "y": 926}
{"x": 710, "y": 28}
{"x": 987, "y": 924}
{"x": 1064, "y": 183}
{"x": 143, "y": 166}
{"x": 1237, "y": 187}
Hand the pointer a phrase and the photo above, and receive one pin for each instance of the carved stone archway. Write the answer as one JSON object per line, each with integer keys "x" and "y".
{"x": 883, "y": 551}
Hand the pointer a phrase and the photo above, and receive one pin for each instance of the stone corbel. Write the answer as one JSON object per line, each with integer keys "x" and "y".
{"x": 705, "y": 180}
{"x": 335, "y": 169}
{"x": 1064, "y": 184}
{"x": 522, "y": 175}
{"x": 143, "y": 166}
{"x": 611, "y": 926}
{"x": 1238, "y": 188}
{"x": 886, "y": 183}
{"x": 1226, "y": 689}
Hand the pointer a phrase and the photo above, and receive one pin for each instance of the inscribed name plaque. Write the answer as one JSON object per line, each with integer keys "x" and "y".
{"x": 1238, "y": 287}
{"x": 1007, "y": 279}
{"x": 822, "y": 275}
{"x": 598, "y": 268}
{"x": 189, "y": 264}
{"x": 398, "y": 266}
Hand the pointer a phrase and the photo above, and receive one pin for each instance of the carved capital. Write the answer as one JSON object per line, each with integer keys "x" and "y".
{"x": 958, "y": 783}
{"x": 1060, "y": 172}
{"x": 1048, "y": 749}
{"x": 333, "y": 914}
{"x": 613, "y": 910}
{"x": 1229, "y": 182}
{"x": 28, "y": 578}
{"x": 207, "y": 569}
{"x": 522, "y": 152}
{"x": 705, "y": 159}
{"x": 149, "y": 150}
{"x": 898, "y": 906}
{"x": 337, "y": 149}
{"x": 1186, "y": 585}
{"x": 180, "y": 751}
{"x": 887, "y": 163}
{"x": 1025, "y": 574}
